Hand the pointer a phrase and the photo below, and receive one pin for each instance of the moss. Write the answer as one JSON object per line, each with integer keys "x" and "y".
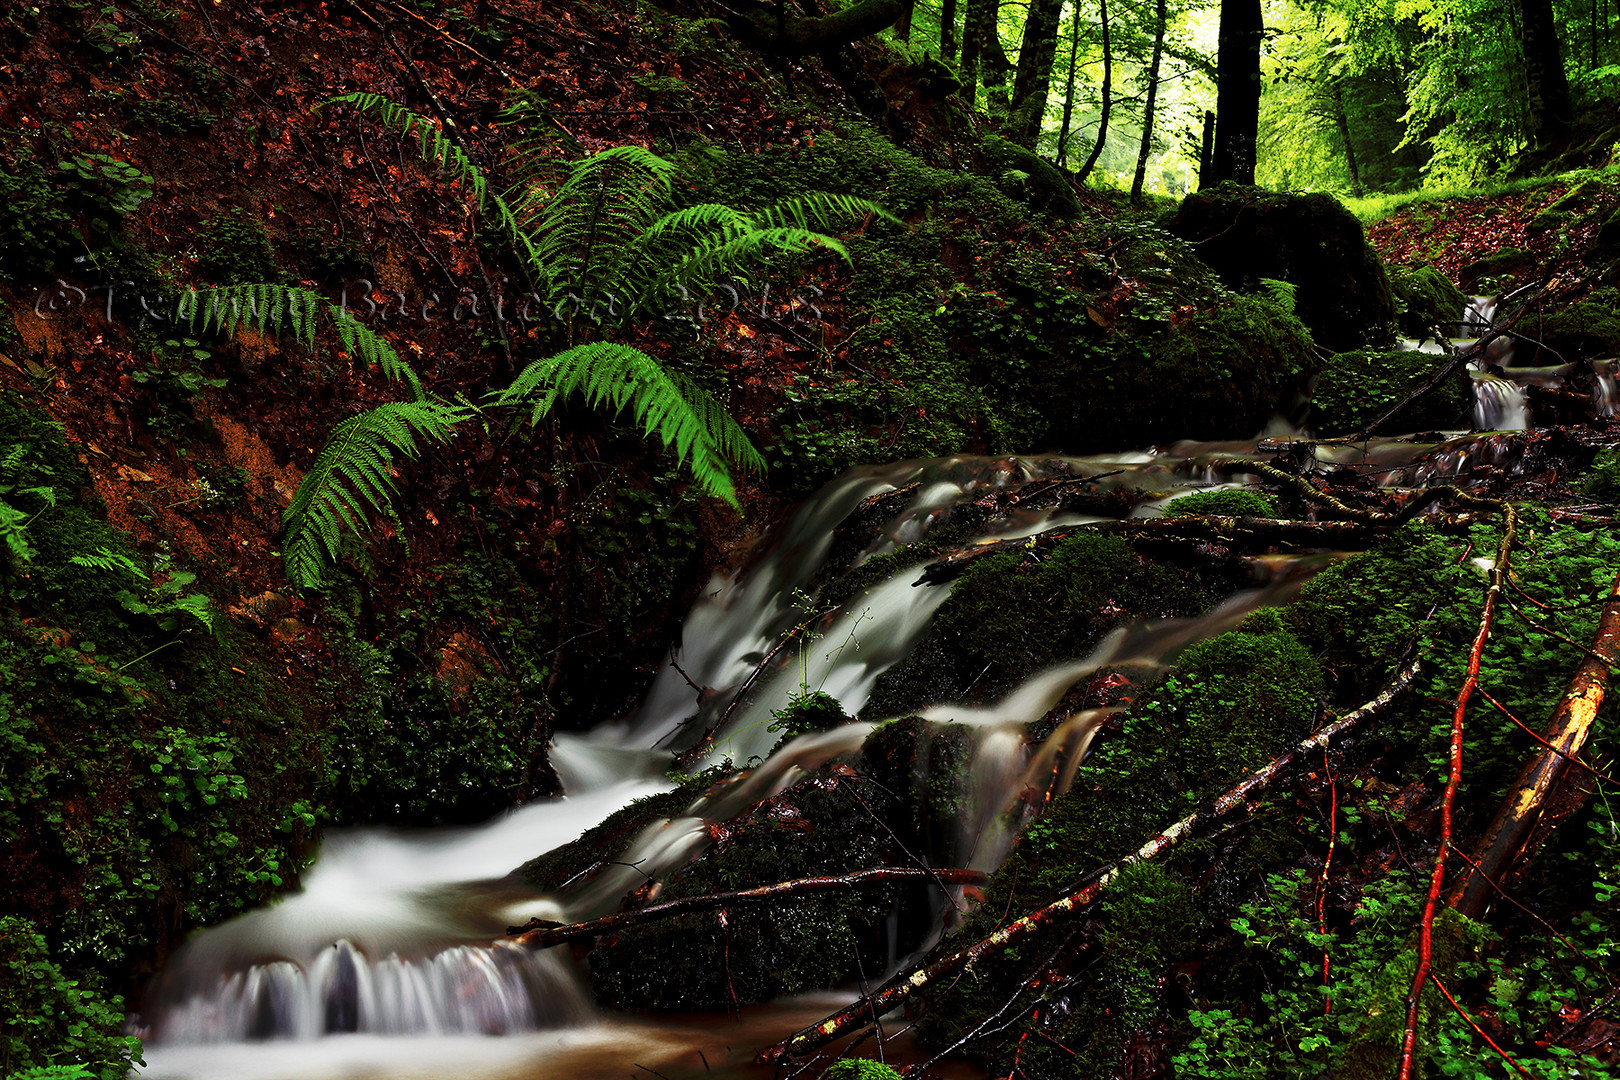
{"x": 1357, "y": 387}
{"x": 1228, "y": 503}
{"x": 807, "y": 712}
{"x": 1231, "y": 704}
{"x": 1497, "y": 268}
{"x": 235, "y": 250}
{"x": 929, "y": 767}
{"x": 1024, "y": 174}
{"x": 1589, "y": 329}
{"x": 859, "y": 1069}
{"x": 1010, "y": 615}
{"x": 757, "y": 952}
{"x": 1603, "y": 481}
{"x": 1341, "y": 289}
{"x": 1425, "y": 298}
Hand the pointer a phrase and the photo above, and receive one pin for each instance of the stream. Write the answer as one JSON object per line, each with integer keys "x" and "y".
{"x": 383, "y": 964}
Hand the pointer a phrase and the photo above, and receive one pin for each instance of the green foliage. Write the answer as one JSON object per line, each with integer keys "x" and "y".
{"x": 46, "y": 1016}
{"x": 1425, "y": 299}
{"x": 1356, "y": 387}
{"x": 1230, "y": 503}
{"x": 436, "y": 149}
{"x": 859, "y": 1069}
{"x": 173, "y": 118}
{"x": 35, "y": 223}
{"x": 108, "y": 186}
{"x": 1603, "y": 481}
{"x": 236, "y": 250}
{"x": 353, "y": 476}
{"x": 662, "y": 403}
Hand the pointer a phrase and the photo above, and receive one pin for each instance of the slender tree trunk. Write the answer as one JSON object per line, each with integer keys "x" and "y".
{"x": 1147, "y": 110}
{"x": 994, "y": 60}
{"x": 1551, "y": 111}
{"x": 1206, "y": 153}
{"x": 973, "y": 33}
{"x": 947, "y": 31}
{"x": 1033, "y": 79}
{"x": 1343, "y": 122}
{"x": 1107, "y": 100}
{"x": 1237, "y": 91}
{"x": 1068, "y": 92}
{"x": 902, "y": 25}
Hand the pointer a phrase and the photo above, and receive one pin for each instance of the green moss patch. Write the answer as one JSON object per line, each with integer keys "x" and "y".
{"x": 1356, "y": 388}
{"x": 1229, "y": 503}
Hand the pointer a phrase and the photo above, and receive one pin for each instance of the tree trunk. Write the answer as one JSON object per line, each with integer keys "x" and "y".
{"x": 993, "y": 58}
{"x": 973, "y": 33}
{"x": 947, "y": 31}
{"x": 1343, "y": 122}
{"x": 1551, "y": 111}
{"x": 1206, "y": 153}
{"x": 1068, "y": 92}
{"x": 1033, "y": 79}
{"x": 1147, "y": 110}
{"x": 1107, "y": 100}
{"x": 1237, "y": 91}
{"x": 902, "y": 25}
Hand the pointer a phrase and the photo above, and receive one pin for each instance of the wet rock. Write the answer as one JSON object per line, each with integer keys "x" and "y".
{"x": 463, "y": 662}
{"x": 1341, "y": 290}
{"x": 287, "y": 631}
{"x": 1509, "y": 262}
{"x": 1425, "y": 298}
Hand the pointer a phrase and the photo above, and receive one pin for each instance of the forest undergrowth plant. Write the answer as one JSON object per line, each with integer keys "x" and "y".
{"x": 590, "y": 235}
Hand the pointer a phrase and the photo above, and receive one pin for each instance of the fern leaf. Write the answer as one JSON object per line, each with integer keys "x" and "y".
{"x": 353, "y": 477}
{"x": 663, "y": 405}
{"x": 436, "y": 149}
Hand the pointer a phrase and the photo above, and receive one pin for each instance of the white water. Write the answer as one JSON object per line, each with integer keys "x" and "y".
{"x": 385, "y": 957}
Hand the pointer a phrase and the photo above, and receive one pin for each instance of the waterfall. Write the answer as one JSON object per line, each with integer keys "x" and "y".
{"x": 392, "y": 933}
{"x": 1499, "y": 404}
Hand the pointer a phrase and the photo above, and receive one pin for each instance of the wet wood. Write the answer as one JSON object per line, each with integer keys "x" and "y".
{"x": 1540, "y": 797}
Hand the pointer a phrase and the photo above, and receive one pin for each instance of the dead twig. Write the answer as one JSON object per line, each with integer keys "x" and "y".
{"x": 546, "y": 934}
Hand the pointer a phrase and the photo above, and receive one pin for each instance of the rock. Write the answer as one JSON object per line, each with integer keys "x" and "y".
{"x": 263, "y": 610}
{"x": 1356, "y": 387}
{"x": 287, "y": 631}
{"x": 1509, "y": 262}
{"x": 1425, "y": 298}
{"x": 1024, "y": 174}
{"x": 1341, "y": 290}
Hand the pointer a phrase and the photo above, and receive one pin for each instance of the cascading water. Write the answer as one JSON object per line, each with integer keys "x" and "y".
{"x": 391, "y": 935}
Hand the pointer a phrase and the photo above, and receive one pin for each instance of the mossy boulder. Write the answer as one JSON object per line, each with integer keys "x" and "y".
{"x": 1023, "y": 174}
{"x": 706, "y": 961}
{"x": 1588, "y": 330}
{"x": 859, "y": 1069}
{"x": 1011, "y": 615}
{"x": 1425, "y": 298}
{"x": 1229, "y": 503}
{"x": 1355, "y": 388}
{"x": 1232, "y": 704}
{"x": 1341, "y": 289}
{"x": 1507, "y": 263}
{"x": 1219, "y": 373}
{"x": 1603, "y": 482}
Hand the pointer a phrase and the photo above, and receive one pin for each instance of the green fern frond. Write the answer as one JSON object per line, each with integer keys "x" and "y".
{"x": 436, "y": 149}
{"x": 352, "y": 477}
{"x": 273, "y": 308}
{"x": 819, "y": 210}
{"x": 662, "y": 404}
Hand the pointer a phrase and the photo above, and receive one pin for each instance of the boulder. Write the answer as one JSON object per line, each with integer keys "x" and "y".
{"x": 1341, "y": 291}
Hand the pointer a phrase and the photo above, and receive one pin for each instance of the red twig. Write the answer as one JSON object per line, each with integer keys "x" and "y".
{"x": 1507, "y": 1057}
{"x": 1577, "y": 762}
{"x": 1437, "y": 875}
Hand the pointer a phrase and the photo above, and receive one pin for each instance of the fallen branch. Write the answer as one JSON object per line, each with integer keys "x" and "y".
{"x": 906, "y": 985}
{"x": 1437, "y": 875}
{"x": 1566, "y": 735}
{"x": 545, "y": 934}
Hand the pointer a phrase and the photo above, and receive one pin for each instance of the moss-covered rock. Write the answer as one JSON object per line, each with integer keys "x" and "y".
{"x": 1024, "y": 174}
{"x": 1341, "y": 290}
{"x": 1425, "y": 298}
{"x": 1229, "y": 503}
{"x": 1357, "y": 387}
{"x": 1231, "y": 705}
{"x": 859, "y": 1069}
{"x": 1493, "y": 269}
{"x": 1589, "y": 329}
{"x": 1603, "y": 481}
{"x": 1011, "y": 615}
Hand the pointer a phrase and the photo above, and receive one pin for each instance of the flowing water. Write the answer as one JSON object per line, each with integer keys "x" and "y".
{"x": 383, "y": 965}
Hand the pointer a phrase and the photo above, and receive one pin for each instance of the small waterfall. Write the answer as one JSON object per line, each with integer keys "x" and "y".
{"x": 495, "y": 989}
{"x": 391, "y": 935}
{"x": 1499, "y": 404}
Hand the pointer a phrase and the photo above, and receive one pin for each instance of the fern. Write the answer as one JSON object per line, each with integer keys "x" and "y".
{"x": 272, "y": 308}
{"x": 662, "y": 403}
{"x": 437, "y": 150}
{"x": 353, "y": 476}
